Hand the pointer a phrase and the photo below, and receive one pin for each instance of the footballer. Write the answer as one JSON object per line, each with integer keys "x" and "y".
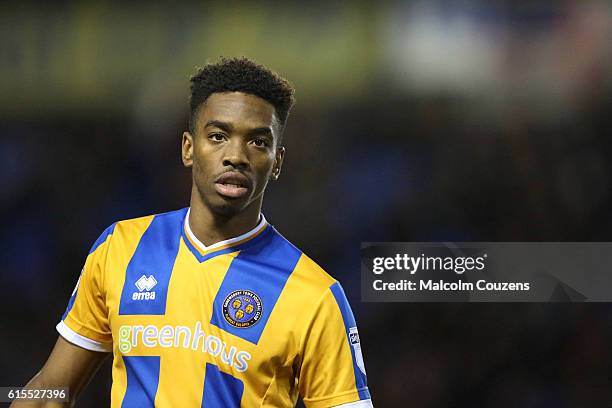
{"x": 209, "y": 306}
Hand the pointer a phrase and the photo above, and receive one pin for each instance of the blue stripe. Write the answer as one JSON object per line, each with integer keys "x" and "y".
{"x": 349, "y": 321}
{"x": 263, "y": 268}
{"x": 235, "y": 248}
{"x": 101, "y": 239}
{"x": 221, "y": 390}
{"x": 142, "y": 379}
{"x": 154, "y": 256}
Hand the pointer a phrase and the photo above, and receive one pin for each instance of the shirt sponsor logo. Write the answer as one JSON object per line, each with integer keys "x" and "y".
{"x": 139, "y": 337}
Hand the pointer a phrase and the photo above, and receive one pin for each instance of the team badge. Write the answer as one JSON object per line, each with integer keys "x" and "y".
{"x": 242, "y": 308}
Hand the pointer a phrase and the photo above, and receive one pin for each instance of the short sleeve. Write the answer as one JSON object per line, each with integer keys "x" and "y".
{"x": 332, "y": 371}
{"x": 85, "y": 321}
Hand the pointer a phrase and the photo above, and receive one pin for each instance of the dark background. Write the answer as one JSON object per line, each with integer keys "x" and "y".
{"x": 415, "y": 121}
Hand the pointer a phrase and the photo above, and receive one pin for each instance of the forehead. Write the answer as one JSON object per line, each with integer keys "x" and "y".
{"x": 238, "y": 109}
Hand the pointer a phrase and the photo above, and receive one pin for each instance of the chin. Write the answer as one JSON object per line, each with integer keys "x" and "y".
{"x": 228, "y": 207}
{"x": 223, "y": 206}
{"x": 227, "y": 211}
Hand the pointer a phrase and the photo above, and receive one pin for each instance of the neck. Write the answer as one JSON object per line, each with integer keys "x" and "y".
{"x": 210, "y": 227}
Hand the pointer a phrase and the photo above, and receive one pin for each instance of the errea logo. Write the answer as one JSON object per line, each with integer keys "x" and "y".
{"x": 144, "y": 286}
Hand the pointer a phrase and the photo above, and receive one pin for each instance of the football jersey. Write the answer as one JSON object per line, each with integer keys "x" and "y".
{"x": 246, "y": 322}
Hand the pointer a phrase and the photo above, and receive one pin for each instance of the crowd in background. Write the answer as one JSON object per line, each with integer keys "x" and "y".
{"x": 408, "y": 158}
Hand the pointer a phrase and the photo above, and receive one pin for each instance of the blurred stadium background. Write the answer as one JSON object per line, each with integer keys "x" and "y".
{"x": 415, "y": 121}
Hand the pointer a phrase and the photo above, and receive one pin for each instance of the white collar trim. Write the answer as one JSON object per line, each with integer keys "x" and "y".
{"x": 262, "y": 223}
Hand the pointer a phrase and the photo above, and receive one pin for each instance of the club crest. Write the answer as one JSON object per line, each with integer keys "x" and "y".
{"x": 242, "y": 308}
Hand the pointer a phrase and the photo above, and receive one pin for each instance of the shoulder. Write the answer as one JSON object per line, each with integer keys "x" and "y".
{"x": 313, "y": 274}
{"x": 308, "y": 277}
{"x": 134, "y": 228}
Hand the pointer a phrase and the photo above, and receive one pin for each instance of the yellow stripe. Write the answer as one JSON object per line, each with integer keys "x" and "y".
{"x": 119, "y": 381}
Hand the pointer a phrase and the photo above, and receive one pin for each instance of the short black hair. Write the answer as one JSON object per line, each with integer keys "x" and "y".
{"x": 240, "y": 75}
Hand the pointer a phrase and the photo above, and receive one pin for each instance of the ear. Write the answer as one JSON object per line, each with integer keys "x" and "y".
{"x": 187, "y": 149}
{"x": 278, "y": 163}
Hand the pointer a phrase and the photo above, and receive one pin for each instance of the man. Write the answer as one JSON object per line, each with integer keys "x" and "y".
{"x": 209, "y": 305}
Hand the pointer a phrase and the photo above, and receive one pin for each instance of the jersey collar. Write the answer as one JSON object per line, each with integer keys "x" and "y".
{"x": 203, "y": 252}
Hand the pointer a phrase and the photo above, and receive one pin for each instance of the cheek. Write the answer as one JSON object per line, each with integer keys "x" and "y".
{"x": 264, "y": 178}
{"x": 196, "y": 165}
{"x": 202, "y": 159}
{"x": 265, "y": 168}
{"x": 200, "y": 169}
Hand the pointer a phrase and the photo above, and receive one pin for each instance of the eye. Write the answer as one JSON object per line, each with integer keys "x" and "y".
{"x": 216, "y": 137}
{"x": 260, "y": 142}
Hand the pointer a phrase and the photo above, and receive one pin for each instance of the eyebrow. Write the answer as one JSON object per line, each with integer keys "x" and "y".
{"x": 227, "y": 127}
{"x": 262, "y": 131}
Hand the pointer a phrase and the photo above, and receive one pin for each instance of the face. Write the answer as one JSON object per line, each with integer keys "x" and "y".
{"x": 234, "y": 152}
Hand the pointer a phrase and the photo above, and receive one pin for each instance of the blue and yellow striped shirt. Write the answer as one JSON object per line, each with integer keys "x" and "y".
{"x": 247, "y": 322}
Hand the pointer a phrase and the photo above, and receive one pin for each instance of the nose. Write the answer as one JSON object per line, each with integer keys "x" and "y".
{"x": 235, "y": 155}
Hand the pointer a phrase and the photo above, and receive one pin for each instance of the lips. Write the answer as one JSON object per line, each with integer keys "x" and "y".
{"x": 232, "y": 184}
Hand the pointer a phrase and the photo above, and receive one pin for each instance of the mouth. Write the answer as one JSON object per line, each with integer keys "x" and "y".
{"x": 232, "y": 184}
